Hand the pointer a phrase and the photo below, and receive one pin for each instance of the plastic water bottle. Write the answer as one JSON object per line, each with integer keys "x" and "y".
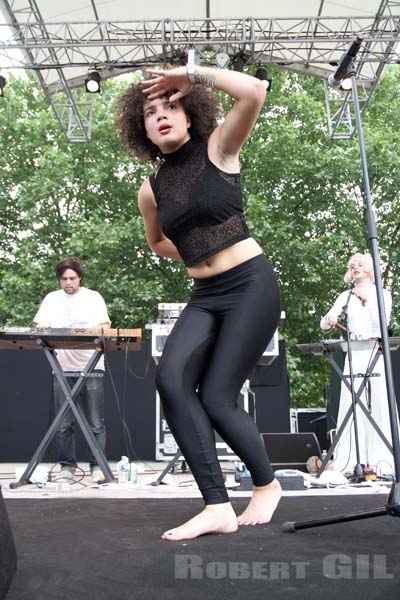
{"x": 123, "y": 470}
{"x": 134, "y": 473}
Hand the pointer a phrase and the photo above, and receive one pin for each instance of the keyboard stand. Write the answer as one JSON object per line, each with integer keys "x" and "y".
{"x": 70, "y": 394}
{"x": 358, "y": 402}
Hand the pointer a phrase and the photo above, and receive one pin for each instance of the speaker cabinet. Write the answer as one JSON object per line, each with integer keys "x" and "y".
{"x": 8, "y": 554}
{"x": 310, "y": 420}
{"x": 166, "y": 446}
{"x": 291, "y": 450}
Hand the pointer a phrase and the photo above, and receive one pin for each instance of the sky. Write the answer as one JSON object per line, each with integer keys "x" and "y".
{"x": 5, "y": 64}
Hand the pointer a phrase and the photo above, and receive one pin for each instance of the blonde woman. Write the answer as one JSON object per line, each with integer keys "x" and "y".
{"x": 362, "y": 322}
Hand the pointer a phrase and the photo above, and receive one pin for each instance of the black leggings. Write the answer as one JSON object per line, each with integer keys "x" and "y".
{"x": 210, "y": 352}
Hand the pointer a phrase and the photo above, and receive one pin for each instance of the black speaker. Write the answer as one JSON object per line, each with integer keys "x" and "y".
{"x": 8, "y": 553}
{"x": 313, "y": 421}
{"x": 291, "y": 450}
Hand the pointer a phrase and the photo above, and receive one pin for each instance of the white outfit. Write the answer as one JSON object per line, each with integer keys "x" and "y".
{"x": 363, "y": 324}
{"x": 86, "y": 308}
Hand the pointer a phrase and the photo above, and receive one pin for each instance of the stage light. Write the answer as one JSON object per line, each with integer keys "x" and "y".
{"x": 346, "y": 84}
{"x": 179, "y": 57}
{"x": 207, "y": 56}
{"x": 263, "y": 76}
{"x": 3, "y": 83}
{"x": 222, "y": 59}
{"x": 92, "y": 83}
{"x": 240, "y": 60}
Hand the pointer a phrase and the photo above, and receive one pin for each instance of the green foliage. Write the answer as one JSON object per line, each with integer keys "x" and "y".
{"x": 303, "y": 201}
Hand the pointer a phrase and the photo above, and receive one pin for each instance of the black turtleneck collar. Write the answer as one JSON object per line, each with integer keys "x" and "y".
{"x": 178, "y": 156}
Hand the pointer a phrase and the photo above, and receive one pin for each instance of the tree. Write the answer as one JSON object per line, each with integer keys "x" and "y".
{"x": 303, "y": 201}
{"x": 63, "y": 199}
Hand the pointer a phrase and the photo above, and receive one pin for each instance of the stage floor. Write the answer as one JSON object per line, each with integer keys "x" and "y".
{"x": 110, "y": 549}
{"x": 173, "y": 485}
{"x": 102, "y": 542}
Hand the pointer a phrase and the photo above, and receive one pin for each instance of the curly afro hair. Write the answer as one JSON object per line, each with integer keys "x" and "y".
{"x": 200, "y": 105}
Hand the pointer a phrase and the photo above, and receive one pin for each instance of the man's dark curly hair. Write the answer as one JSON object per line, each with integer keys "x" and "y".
{"x": 200, "y": 105}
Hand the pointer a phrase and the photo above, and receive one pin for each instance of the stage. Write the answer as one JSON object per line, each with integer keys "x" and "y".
{"x": 104, "y": 542}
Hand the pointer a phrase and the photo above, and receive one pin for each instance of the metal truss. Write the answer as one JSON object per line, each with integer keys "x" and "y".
{"x": 62, "y": 53}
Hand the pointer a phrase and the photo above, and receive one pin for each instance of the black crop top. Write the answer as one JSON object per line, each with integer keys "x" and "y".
{"x": 200, "y": 207}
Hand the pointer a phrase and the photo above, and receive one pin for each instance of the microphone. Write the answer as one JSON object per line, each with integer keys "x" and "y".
{"x": 357, "y": 280}
{"x": 336, "y": 78}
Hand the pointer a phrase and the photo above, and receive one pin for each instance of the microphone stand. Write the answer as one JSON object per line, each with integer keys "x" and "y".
{"x": 392, "y": 506}
{"x": 358, "y": 472}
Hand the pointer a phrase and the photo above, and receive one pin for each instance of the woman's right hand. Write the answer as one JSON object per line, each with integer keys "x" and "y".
{"x": 331, "y": 320}
{"x": 164, "y": 80}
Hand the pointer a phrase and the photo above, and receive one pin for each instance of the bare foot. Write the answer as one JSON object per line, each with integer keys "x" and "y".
{"x": 262, "y": 505}
{"x": 215, "y": 518}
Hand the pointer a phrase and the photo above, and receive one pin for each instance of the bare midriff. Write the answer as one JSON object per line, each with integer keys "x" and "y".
{"x": 226, "y": 259}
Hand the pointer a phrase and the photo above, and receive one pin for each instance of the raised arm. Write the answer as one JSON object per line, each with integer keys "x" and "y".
{"x": 157, "y": 241}
{"x": 249, "y": 93}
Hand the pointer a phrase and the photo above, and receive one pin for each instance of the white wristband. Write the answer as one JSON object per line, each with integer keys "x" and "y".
{"x": 191, "y": 67}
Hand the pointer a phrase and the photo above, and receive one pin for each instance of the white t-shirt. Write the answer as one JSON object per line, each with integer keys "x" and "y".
{"x": 86, "y": 308}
